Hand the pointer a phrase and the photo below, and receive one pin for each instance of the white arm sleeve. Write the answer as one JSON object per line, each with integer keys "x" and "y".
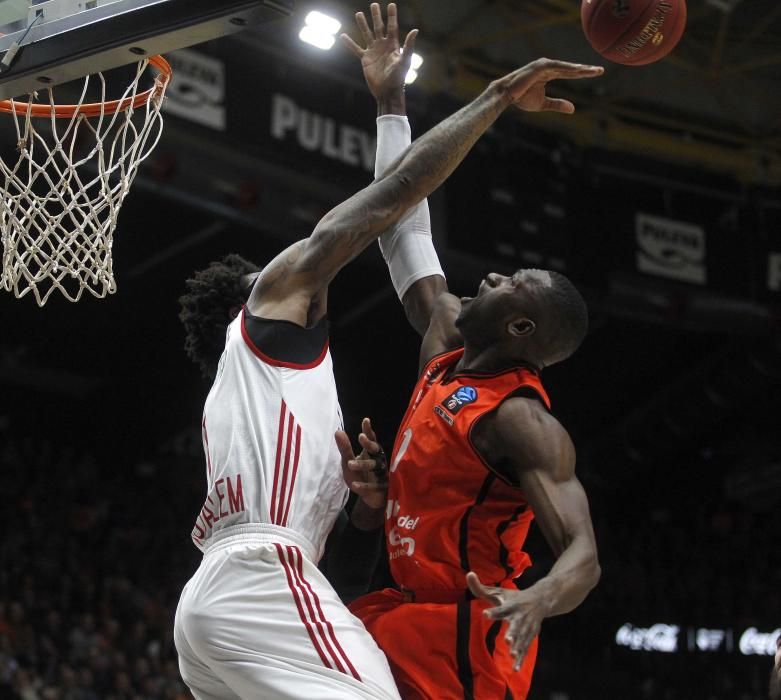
{"x": 407, "y": 247}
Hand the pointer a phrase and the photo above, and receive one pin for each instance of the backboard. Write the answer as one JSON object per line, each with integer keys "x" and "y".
{"x": 62, "y": 40}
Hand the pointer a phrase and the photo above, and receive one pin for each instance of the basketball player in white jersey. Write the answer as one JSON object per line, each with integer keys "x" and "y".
{"x": 257, "y": 619}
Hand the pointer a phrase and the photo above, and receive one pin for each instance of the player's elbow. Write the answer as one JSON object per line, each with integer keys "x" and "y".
{"x": 405, "y": 185}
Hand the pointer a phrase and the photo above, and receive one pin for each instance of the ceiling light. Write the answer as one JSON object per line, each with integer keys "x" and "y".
{"x": 324, "y": 23}
{"x": 320, "y": 30}
{"x": 415, "y": 63}
{"x": 315, "y": 37}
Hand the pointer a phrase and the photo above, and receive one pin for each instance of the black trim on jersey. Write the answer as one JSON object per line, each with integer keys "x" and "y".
{"x": 488, "y": 374}
{"x": 529, "y": 392}
{"x": 504, "y": 553}
{"x": 508, "y": 695}
{"x": 491, "y": 635}
{"x": 286, "y": 341}
{"x": 463, "y": 660}
{"x": 463, "y": 528}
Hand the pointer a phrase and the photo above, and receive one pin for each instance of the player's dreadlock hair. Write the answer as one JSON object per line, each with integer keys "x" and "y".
{"x": 570, "y": 312}
{"x": 206, "y": 309}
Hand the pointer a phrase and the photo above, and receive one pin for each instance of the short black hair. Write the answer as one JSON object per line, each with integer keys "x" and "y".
{"x": 569, "y": 315}
{"x": 205, "y": 309}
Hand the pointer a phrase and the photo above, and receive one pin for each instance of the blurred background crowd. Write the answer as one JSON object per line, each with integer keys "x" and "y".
{"x": 94, "y": 555}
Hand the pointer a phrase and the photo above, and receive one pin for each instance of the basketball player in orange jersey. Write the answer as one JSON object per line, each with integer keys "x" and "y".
{"x": 477, "y": 456}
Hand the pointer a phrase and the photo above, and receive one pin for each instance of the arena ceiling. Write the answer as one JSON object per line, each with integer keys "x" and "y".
{"x": 715, "y": 102}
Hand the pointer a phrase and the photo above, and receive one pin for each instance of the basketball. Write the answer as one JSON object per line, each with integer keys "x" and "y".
{"x": 633, "y": 32}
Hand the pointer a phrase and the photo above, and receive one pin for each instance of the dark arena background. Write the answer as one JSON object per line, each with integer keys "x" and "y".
{"x": 659, "y": 198}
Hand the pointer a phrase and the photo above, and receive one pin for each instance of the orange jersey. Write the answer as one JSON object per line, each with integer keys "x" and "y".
{"x": 448, "y": 511}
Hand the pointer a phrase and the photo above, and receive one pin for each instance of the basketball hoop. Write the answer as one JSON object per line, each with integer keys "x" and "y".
{"x": 62, "y": 195}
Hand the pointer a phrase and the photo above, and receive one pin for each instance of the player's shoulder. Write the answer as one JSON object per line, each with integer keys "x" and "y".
{"x": 525, "y": 420}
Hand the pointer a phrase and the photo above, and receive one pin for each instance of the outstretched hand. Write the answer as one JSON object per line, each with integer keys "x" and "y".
{"x": 526, "y": 86}
{"x": 524, "y": 612}
{"x": 366, "y": 474}
{"x": 384, "y": 63}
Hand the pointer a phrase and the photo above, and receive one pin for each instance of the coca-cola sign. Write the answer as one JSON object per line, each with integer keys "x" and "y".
{"x": 668, "y": 639}
{"x": 752, "y": 641}
{"x": 660, "y": 637}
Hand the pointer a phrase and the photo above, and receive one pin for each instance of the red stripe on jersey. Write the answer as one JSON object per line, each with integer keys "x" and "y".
{"x": 295, "y": 563}
{"x": 278, "y": 363}
{"x": 328, "y": 625}
{"x": 282, "y": 412}
{"x": 301, "y": 612}
{"x": 285, "y": 470}
{"x": 293, "y": 477}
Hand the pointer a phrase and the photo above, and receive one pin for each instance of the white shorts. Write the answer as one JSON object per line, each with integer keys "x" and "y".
{"x": 259, "y": 620}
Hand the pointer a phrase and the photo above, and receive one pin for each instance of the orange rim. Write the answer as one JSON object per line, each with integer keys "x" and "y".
{"x": 94, "y": 109}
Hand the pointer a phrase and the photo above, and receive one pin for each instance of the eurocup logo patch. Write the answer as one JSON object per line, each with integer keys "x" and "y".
{"x": 458, "y": 399}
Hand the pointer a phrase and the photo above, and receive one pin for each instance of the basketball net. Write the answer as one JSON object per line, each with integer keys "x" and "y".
{"x": 74, "y": 165}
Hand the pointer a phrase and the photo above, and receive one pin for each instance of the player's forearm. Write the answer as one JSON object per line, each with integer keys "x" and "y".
{"x": 349, "y": 228}
{"x": 435, "y": 155}
{"x": 571, "y": 578}
{"x": 420, "y": 299}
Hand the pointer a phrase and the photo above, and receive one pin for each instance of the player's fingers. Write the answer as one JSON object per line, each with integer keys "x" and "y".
{"x": 370, "y": 487}
{"x": 377, "y": 23}
{"x": 366, "y": 426}
{"x": 575, "y": 73}
{"x": 350, "y": 44}
{"x": 409, "y": 43}
{"x": 393, "y": 22}
{"x": 498, "y": 611}
{"x": 344, "y": 445}
{"x": 519, "y": 650}
{"x": 552, "y": 104}
{"x": 566, "y": 69}
{"x": 480, "y": 591}
{"x": 513, "y": 631}
{"x": 362, "y": 464}
{"x": 372, "y": 447}
{"x": 363, "y": 26}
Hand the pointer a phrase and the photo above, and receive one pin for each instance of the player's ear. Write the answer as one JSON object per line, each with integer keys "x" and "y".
{"x": 521, "y": 327}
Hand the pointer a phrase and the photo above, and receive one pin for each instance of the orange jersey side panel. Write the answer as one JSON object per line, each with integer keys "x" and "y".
{"x": 444, "y": 651}
{"x": 448, "y": 512}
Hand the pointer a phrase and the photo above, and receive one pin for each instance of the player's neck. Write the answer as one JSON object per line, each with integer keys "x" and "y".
{"x": 494, "y": 358}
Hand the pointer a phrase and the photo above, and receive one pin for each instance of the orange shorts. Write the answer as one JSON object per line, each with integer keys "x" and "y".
{"x": 444, "y": 651}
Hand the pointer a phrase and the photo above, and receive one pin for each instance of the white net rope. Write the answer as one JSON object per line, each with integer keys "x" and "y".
{"x": 62, "y": 195}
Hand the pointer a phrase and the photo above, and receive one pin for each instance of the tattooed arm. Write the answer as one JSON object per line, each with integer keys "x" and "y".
{"x": 293, "y": 286}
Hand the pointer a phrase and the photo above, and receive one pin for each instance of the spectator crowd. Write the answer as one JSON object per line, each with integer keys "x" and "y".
{"x": 93, "y": 556}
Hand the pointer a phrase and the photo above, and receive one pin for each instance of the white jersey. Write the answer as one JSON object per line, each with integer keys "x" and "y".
{"x": 268, "y": 434}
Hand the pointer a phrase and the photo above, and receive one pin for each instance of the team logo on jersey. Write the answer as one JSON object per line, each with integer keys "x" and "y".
{"x": 458, "y": 399}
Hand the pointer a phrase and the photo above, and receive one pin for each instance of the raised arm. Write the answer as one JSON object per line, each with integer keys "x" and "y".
{"x": 287, "y": 286}
{"x": 407, "y": 246}
{"x": 539, "y": 453}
